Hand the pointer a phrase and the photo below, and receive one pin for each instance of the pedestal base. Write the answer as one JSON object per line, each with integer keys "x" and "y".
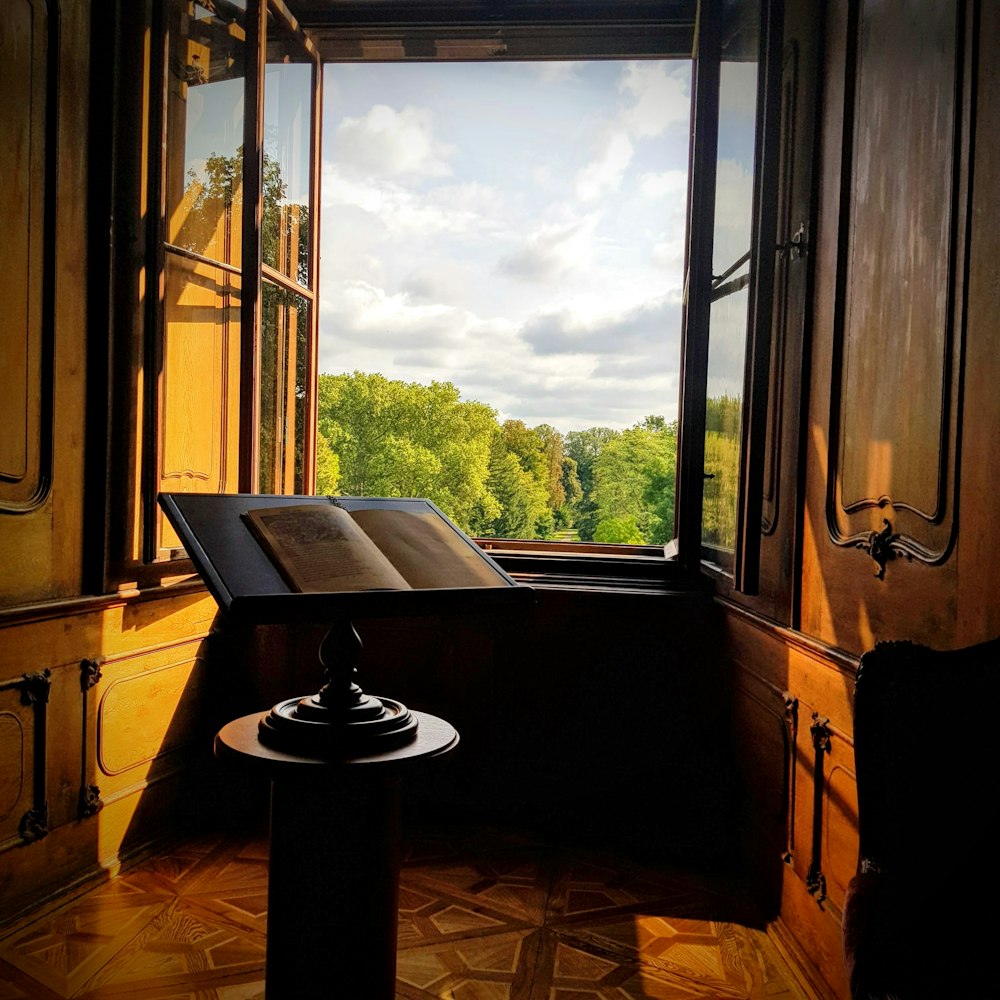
{"x": 333, "y": 876}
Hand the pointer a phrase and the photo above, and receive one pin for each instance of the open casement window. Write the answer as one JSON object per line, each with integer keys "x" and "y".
{"x": 727, "y": 368}
{"x": 230, "y": 395}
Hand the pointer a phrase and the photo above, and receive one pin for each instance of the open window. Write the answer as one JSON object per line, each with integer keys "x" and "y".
{"x": 237, "y": 388}
{"x": 233, "y": 316}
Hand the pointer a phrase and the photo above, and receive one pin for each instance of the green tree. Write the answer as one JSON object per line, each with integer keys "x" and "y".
{"x": 624, "y": 476}
{"x": 619, "y": 530}
{"x": 517, "y": 481}
{"x": 395, "y": 438}
{"x": 327, "y": 467}
{"x": 583, "y": 448}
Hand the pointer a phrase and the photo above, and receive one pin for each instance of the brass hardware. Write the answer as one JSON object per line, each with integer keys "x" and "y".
{"x": 36, "y": 687}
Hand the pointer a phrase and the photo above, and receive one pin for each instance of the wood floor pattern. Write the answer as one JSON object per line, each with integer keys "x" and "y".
{"x": 484, "y": 914}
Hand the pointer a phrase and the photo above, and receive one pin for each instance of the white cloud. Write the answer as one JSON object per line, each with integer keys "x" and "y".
{"x": 552, "y": 250}
{"x": 453, "y": 208}
{"x": 667, "y": 184}
{"x": 386, "y": 142}
{"x": 605, "y": 172}
{"x": 638, "y": 331}
{"x": 659, "y": 98}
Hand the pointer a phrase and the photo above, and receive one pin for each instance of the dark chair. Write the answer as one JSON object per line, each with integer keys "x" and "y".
{"x": 920, "y": 916}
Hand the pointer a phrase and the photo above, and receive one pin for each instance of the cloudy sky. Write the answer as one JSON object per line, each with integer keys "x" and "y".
{"x": 514, "y": 228}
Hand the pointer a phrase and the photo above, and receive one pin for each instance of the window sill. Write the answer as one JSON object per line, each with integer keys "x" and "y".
{"x": 591, "y": 566}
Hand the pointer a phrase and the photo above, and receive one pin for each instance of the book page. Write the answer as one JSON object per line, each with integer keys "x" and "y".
{"x": 426, "y": 549}
{"x": 318, "y": 548}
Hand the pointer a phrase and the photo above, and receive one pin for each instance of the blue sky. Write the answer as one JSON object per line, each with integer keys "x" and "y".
{"x": 514, "y": 228}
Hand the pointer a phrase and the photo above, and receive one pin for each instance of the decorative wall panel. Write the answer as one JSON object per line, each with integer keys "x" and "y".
{"x": 12, "y": 761}
{"x": 840, "y": 824}
{"x": 23, "y": 806}
{"x": 892, "y": 449}
{"x": 25, "y": 208}
{"x": 150, "y": 708}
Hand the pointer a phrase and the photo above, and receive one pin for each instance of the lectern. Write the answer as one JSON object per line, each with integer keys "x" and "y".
{"x": 334, "y": 758}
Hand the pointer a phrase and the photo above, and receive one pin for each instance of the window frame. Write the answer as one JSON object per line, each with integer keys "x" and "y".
{"x": 642, "y": 29}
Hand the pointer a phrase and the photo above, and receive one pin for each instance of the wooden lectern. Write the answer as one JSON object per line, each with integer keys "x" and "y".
{"x": 335, "y": 759}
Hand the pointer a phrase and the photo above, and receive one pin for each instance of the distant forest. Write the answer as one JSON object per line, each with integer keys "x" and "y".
{"x": 380, "y": 437}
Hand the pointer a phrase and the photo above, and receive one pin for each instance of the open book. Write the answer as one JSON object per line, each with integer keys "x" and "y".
{"x": 321, "y": 547}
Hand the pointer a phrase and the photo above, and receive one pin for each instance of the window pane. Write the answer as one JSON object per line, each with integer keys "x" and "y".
{"x": 730, "y": 276}
{"x": 283, "y": 344}
{"x": 203, "y": 171}
{"x": 501, "y": 291}
{"x": 287, "y": 134}
{"x": 199, "y": 381}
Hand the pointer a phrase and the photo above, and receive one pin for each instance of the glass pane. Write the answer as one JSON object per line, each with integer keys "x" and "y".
{"x": 284, "y": 339}
{"x": 203, "y": 169}
{"x": 287, "y": 132}
{"x": 199, "y": 381}
{"x": 730, "y": 275}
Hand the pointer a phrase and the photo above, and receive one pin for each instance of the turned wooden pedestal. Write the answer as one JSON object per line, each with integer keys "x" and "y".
{"x": 333, "y": 876}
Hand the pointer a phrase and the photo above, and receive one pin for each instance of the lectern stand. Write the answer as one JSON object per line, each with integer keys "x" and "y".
{"x": 333, "y": 875}
{"x": 335, "y": 759}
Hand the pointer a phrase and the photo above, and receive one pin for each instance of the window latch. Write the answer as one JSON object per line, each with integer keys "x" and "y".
{"x": 796, "y": 246}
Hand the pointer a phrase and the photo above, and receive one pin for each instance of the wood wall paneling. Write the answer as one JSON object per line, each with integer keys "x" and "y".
{"x": 124, "y": 685}
{"x": 793, "y": 719}
{"x": 25, "y": 346}
{"x": 43, "y": 283}
{"x": 150, "y": 707}
{"x": 884, "y": 436}
{"x": 894, "y": 449}
{"x": 23, "y": 803}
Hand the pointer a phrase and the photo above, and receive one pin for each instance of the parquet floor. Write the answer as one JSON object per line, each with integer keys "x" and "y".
{"x": 484, "y": 914}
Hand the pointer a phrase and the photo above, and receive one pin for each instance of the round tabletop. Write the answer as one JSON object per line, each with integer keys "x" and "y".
{"x": 238, "y": 742}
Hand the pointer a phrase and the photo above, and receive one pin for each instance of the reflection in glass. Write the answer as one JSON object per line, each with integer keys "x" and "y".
{"x": 198, "y": 392}
{"x": 284, "y": 340}
{"x": 204, "y": 127}
{"x": 287, "y": 132}
{"x": 730, "y": 275}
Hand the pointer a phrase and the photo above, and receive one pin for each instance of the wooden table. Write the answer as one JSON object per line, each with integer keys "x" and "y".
{"x": 333, "y": 874}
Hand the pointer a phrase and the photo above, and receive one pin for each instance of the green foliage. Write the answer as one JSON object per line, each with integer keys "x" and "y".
{"x": 327, "y": 467}
{"x": 718, "y": 510}
{"x": 379, "y": 437}
{"x": 405, "y": 439}
{"x": 620, "y": 530}
{"x": 633, "y": 477}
